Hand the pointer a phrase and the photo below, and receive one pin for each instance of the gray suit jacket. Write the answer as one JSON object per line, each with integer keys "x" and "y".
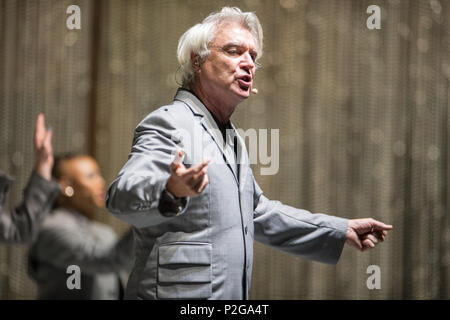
{"x": 206, "y": 250}
{"x": 68, "y": 238}
{"x": 21, "y": 224}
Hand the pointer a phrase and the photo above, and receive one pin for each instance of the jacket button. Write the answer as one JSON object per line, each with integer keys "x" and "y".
{"x": 246, "y": 229}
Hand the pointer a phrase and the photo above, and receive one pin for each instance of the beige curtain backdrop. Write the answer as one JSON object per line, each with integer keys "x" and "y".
{"x": 362, "y": 115}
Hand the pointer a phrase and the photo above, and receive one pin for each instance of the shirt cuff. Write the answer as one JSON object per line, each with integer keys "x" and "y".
{"x": 170, "y": 206}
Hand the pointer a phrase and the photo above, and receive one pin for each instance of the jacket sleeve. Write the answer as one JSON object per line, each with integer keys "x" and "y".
{"x": 317, "y": 237}
{"x": 62, "y": 246}
{"x": 134, "y": 196}
{"x": 21, "y": 224}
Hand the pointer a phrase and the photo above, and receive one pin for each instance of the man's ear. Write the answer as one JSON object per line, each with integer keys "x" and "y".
{"x": 195, "y": 60}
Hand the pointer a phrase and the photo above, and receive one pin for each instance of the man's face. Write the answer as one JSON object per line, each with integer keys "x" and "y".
{"x": 228, "y": 71}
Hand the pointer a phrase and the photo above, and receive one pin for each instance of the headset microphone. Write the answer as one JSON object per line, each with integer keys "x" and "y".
{"x": 253, "y": 90}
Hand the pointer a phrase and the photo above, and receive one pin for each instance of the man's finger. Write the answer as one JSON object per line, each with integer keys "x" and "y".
{"x": 178, "y": 157}
{"x": 199, "y": 176}
{"x": 177, "y": 168}
{"x": 174, "y": 168}
{"x": 197, "y": 168}
{"x": 368, "y": 243}
{"x": 195, "y": 181}
{"x": 377, "y": 225}
{"x": 380, "y": 234}
{"x": 204, "y": 184}
{"x": 372, "y": 238}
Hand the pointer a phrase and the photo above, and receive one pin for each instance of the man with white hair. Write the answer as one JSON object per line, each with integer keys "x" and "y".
{"x": 195, "y": 217}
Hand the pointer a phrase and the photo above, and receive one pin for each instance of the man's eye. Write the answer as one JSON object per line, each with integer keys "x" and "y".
{"x": 232, "y": 51}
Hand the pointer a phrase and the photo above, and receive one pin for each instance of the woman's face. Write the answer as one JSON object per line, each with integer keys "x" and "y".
{"x": 83, "y": 175}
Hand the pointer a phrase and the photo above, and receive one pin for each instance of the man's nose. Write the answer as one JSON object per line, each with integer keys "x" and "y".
{"x": 247, "y": 63}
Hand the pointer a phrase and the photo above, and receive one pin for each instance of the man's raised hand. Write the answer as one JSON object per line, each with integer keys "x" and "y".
{"x": 185, "y": 182}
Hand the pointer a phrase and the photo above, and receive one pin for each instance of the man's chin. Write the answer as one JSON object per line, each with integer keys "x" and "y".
{"x": 243, "y": 93}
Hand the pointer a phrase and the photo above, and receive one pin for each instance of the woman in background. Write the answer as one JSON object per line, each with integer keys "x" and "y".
{"x": 72, "y": 245}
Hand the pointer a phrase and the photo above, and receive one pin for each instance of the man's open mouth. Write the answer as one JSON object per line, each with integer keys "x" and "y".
{"x": 244, "y": 82}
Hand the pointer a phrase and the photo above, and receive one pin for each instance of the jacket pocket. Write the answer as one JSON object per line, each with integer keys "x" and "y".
{"x": 184, "y": 270}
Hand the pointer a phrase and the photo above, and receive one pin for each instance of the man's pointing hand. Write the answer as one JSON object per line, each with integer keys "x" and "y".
{"x": 364, "y": 234}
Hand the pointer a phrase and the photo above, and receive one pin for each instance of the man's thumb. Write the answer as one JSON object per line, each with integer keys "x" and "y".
{"x": 177, "y": 162}
{"x": 178, "y": 156}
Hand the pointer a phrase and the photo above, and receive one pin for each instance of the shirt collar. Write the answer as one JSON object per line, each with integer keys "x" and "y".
{"x": 198, "y": 101}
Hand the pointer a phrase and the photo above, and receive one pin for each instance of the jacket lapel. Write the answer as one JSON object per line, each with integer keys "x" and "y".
{"x": 243, "y": 161}
{"x": 210, "y": 126}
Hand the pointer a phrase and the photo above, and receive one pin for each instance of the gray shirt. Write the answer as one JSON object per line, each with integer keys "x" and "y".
{"x": 21, "y": 224}
{"x": 68, "y": 238}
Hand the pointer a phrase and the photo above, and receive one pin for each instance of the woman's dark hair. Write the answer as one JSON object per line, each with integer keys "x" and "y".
{"x": 59, "y": 159}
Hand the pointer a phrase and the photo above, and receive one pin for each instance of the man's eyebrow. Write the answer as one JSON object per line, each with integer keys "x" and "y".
{"x": 234, "y": 44}
{"x": 238, "y": 44}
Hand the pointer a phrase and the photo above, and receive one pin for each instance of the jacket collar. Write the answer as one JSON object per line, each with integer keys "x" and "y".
{"x": 208, "y": 123}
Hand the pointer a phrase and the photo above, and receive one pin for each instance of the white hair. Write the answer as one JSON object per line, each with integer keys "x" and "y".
{"x": 197, "y": 38}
